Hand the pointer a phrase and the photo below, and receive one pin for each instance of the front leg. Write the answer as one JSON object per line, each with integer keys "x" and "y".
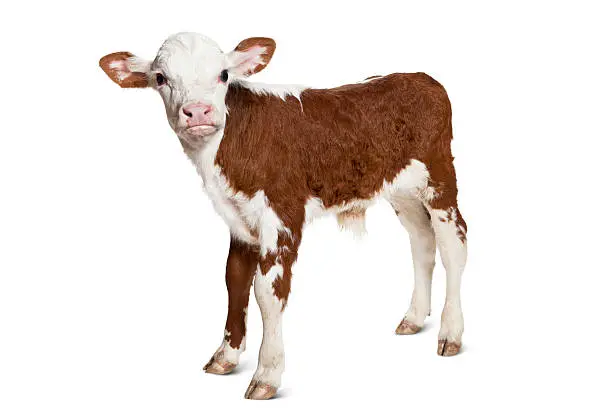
{"x": 241, "y": 264}
{"x": 272, "y": 285}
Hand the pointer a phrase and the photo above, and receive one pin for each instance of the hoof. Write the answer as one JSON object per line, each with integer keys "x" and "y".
{"x": 219, "y": 367}
{"x": 448, "y": 348}
{"x": 406, "y": 327}
{"x": 259, "y": 391}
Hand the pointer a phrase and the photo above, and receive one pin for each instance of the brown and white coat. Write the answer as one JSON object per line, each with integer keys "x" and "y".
{"x": 273, "y": 158}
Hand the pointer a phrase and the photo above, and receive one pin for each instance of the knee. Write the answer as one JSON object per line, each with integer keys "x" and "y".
{"x": 273, "y": 282}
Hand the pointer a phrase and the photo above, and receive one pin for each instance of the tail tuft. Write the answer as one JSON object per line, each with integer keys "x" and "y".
{"x": 353, "y": 220}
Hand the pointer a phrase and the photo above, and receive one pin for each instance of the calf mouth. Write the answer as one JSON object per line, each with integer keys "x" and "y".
{"x": 202, "y": 130}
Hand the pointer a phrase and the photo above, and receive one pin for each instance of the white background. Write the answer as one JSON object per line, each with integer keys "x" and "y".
{"x": 112, "y": 259}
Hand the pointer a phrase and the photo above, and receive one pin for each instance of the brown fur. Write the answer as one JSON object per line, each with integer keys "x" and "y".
{"x": 241, "y": 264}
{"x": 338, "y": 145}
{"x": 342, "y": 146}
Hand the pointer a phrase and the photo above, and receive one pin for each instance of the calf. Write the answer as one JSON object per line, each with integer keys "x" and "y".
{"x": 273, "y": 158}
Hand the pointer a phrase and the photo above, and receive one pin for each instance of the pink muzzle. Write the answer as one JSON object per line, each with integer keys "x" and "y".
{"x": 198, "y": 114}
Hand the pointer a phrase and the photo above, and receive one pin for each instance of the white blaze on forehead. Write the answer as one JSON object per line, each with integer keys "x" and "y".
{"x": 190, "y": 57}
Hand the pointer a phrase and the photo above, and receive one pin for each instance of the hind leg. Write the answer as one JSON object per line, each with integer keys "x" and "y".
{"x": 450, "y": 232}
{"x": 416, "y": 220}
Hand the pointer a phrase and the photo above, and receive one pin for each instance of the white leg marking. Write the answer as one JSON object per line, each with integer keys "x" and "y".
{"x": 225, "y": 358}
{"x": 414, "y": 218}
{"x": 453, "y": 252}
{"x": 271, "y": 354}
{"x": 229, "y": 354}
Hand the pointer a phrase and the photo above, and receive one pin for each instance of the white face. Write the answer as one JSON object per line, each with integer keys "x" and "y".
{"x": 191, "y": 74}
{"x": 188, "y": 72}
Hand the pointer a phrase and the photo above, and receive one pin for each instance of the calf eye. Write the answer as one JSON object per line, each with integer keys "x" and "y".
{"x": 160, "y": 79}
{"x": 224, "y": 75}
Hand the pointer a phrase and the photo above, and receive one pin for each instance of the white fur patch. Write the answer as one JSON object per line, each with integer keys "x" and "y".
{"x": 271, "y": 354}
{"x": 414, "y": 217}
{"x": 280, "y": 90}
{"x": 250, "y": 219}
{"x": 411, "y": 180}
{"x": 221, "y": 194}
{"x": 230, "y": 354}
{"x": 120, "y": 68}
{"x": 352, "y": 221}
{"x": 453, "y": 252}
{"x": 262, "y": 218}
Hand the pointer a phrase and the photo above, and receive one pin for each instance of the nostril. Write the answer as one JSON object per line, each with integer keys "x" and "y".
{"x": 207, "y": 110}
{"x": 187, "y": 112}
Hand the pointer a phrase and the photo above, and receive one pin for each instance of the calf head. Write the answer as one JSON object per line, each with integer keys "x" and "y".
{"x": 192, "y": 75}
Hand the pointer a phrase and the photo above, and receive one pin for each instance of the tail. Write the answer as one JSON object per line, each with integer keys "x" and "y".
{"x": 353, "y": 220}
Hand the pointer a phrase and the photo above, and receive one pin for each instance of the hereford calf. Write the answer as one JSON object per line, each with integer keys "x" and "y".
{"x": 275, "y": 157}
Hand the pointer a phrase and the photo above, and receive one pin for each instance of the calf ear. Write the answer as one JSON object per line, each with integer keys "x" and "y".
{"x": 126, "y": 70}
{"x": 251, "y": 56}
